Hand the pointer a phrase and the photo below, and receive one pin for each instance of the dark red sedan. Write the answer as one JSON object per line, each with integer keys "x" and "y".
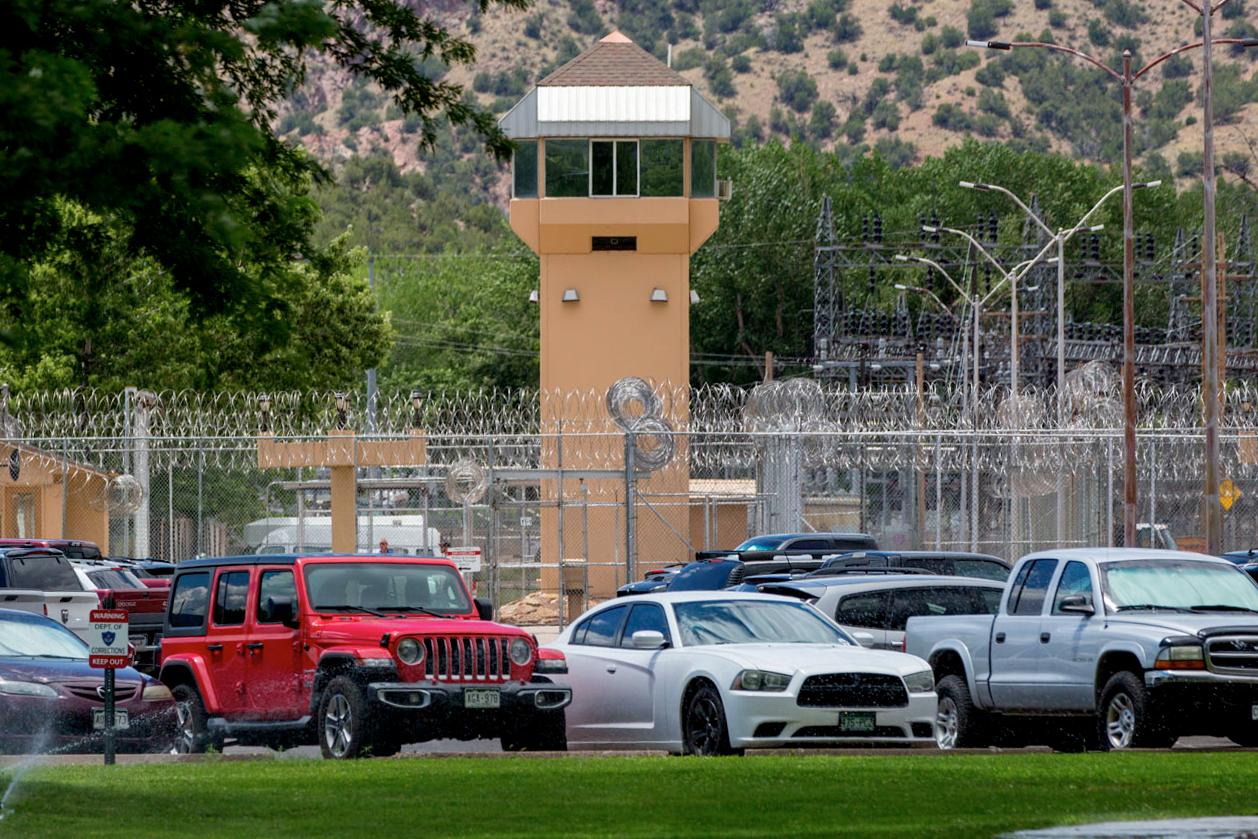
{"x": 49, "y": 696}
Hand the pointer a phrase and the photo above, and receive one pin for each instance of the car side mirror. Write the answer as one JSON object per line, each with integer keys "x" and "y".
{"x": 280, "y": 610}
{"x": 648, "y": 639}
{"x": 865, "y": 639}
{"x": 484, "y": 609}
{"x": 1076, "y": 604}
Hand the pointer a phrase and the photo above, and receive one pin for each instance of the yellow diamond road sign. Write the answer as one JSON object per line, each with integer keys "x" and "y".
{"x": 1228, "y": 493}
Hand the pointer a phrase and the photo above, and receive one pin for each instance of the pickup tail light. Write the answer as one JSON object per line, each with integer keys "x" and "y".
{"x": 904, "y": 643}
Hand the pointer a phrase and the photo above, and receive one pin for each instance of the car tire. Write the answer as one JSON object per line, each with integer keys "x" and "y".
{"x": 958, "y": 724}
{"x": 704, "y": 729}
{"x": 1127, "y": 718}
{"x": 344, "y": 721}
{"x": 192, "y": 735}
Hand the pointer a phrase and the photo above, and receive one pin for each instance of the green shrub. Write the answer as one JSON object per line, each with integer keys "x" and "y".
{"x": 930, "y": 43}
{"x": 902, "y": 14}
{"x": 886, "y": 64}
{"x": 584, "y": 18}
{"x": 899, "y": 154}
{"x": 854, "y": 129}
{"x": 836, "y": 59}
{"x": 846, "y": 29}
{"x": 1057, "y": 19}
{"x": 1125, "y": 13}
{"x": 1188, "y": 164}
{"x": 688, "y": 59}
{"x": 740, "y": 63}
{"x": 797, "y": 90}
{"x": 990, "y": 74}
{"x": 533, "y": 26}
{"x": 951, "y": 37}
{"x": 986, "y": 125}
{"x": 1043, "y": 4}
{"x": 1098, "y": 32}
{"x": 994, "y": 103}
{"x": 951, "y": 117}
{"x": 821, "y": 123}
{"x": 786, "y": 35}
{"x": 720, "y": 78}
{"x": 886, "y": 115}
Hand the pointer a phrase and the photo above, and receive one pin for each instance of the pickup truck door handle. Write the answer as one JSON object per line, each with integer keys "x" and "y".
{"x": 256, "y": 645}
{"x": 1045, "y": 637}
{"x": 1000, "y": 637}
{"x": 214, "y": 648}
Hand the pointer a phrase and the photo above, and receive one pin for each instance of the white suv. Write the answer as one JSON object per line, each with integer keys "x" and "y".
{"x": 874, "y": 608}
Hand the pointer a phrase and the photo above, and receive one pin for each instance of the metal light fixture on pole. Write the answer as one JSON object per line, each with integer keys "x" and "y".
{"x": 1128, "y": 78}
{"x": 1060, "y": 237}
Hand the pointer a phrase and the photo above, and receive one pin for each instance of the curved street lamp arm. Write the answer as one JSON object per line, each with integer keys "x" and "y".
{"x": 1196, "y": 8}
{"x": 1070, "y": 51}
{"x": 1015, "y": 199}
{"x": 1249, "y": 42}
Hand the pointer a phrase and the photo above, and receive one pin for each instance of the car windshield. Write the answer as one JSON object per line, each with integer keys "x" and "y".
{"x": 762, "y": 543}
{"x": 386, "y": 587}
{"x": 754, "y": 622}
{"x": 114, "y": 578}
{"x": 1177, "y": 584}
{"x": 39, "y": 639}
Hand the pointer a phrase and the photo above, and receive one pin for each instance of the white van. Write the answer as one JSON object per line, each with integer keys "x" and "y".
{"x": 406, "y": 535}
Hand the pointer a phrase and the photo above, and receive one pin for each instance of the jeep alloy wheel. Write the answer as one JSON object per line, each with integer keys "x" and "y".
{"x": 338, "y": 725}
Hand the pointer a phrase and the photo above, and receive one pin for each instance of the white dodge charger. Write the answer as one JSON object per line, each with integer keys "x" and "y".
{"x": 716, "y": 672}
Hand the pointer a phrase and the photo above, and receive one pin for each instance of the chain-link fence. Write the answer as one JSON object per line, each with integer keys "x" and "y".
{"x": 553, "y": 517}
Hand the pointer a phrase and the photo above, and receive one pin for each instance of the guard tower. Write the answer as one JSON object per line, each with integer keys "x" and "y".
{"x": 614, "y": 187}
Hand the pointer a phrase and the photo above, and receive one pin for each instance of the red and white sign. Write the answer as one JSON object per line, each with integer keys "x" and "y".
{"x": 466, "y": 558}
{"x": 106, "y": 635}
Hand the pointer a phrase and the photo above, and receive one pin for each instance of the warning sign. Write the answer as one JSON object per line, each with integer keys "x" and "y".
{"x": 106, "y": 635}
{"x": 1228, "y": 493}
{"x": 466, "y": 558}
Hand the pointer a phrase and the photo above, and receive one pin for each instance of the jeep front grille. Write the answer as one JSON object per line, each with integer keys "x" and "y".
{"x": 1233, "y": 654}
{"x": 853, "y": 690}
{"x": 466, "y": 659}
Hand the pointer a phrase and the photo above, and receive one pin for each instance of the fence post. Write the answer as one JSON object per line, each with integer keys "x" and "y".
{"x": 1109, "y": 492}
{"x": 200, "y": 496}
{"x": 631, "y": 515}
{"x": 938, "y": 497}
{"x": 585, "y": 546}
{"x": 559, "y": 594}
{"x": 170, "y": 508}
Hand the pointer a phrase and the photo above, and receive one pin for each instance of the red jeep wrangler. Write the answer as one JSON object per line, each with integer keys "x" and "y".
{"x": 357, "y": 653}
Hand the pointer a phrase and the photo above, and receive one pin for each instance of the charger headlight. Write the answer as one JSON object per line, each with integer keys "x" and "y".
{"x": 521, "y": 652}
{"x": 922, "y": 681}
{"x": 410, "y": 651}
{"x": 761, "y": 680}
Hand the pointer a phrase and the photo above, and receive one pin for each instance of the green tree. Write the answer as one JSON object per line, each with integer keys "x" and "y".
{"x": 155, "y": 120}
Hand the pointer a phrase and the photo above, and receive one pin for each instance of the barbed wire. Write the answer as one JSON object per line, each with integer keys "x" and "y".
{"x": 718, "y": 430}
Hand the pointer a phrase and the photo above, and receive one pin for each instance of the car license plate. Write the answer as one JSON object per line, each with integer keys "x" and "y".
{"x": 856, "y": 721}
{"x": 121, "y": 719}
{"x": 481, "y": 699}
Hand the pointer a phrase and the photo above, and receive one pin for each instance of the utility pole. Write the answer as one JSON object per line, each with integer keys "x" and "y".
{"x": 1212, "y": 519}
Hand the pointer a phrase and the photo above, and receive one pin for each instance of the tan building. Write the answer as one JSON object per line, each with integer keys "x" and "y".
{"x": 614, "y": 187}
{"x": 45, "y": 496}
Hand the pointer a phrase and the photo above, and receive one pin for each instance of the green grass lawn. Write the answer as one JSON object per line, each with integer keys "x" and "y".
{"x": 970, "y": 795}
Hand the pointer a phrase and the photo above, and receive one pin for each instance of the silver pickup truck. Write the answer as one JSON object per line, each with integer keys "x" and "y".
{"x": 1100, "y": 648}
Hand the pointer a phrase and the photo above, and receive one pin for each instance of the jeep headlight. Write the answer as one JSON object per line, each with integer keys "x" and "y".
{"x": 521, "y": 652}
{"x": 761, "y": 680}
{"x": 410, "y": 651}
{"x": 27, "y": 689}
{"x": 921, "y": 682}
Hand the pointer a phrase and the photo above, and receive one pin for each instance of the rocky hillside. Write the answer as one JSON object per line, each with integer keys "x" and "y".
{"x": 847, "y": 74}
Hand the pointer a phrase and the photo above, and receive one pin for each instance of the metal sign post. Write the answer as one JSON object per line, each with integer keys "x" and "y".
{"x": 109, "y": 650}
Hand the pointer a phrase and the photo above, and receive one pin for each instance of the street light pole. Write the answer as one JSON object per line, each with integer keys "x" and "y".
{"x": 1209, "y": 303}
{"x": 1211, "y": 516}
{"x": 1129, "y": 322}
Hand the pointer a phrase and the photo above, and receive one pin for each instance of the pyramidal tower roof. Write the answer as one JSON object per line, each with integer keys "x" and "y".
{"x": 615, "y": 89}
{"x": 615, "y": 61}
